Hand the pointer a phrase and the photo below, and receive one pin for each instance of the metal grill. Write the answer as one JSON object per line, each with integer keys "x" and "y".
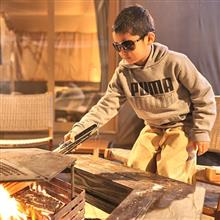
{"x": 19, "y": 168}
{"x": 31, "y": 164}
{"x": 9, "y": 171}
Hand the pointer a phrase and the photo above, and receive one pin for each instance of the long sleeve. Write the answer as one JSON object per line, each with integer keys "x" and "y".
{"x": 106, "y": 108}
{"x": 202, "y": 99}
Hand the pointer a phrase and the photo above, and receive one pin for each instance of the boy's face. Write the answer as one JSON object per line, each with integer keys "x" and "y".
{"x": 141, "y": 47}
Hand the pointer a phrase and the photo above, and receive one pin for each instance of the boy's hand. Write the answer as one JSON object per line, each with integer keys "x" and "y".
{"x": 202, "y": 146}
{"x": 69, "y": 136}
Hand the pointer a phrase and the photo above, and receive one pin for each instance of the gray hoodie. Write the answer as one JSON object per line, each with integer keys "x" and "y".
{"x": 167, "y": 92}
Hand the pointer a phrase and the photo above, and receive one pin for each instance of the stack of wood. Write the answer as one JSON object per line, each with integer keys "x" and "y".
{"x": 128, "y": 193}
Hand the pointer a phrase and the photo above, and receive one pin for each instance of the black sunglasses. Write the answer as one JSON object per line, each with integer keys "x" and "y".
{"x": 127, "y": 45}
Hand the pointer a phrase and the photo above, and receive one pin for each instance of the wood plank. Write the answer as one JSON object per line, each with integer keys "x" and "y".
{"x": 100, "y": 203}
{"x": 189, "y": 207}
{"x": 97, "y": 197}
{"x": 117, "y": 154}
{"x": 124, "y": 176}
{"x": 101, "y": 189}
{"x": 112, "y": 182}
{"x": 13, "y": 187}
{"x": 94, "y": 146}
{"x": 45, "y": 164}
{"x": 212, "y": 198}
{"x": 136, "y": 206}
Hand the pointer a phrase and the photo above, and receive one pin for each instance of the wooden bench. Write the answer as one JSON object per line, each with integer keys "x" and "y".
{"x": 96, "y": 147}
{"x": 127, "y": 193}
{"x": 210, "y": 179}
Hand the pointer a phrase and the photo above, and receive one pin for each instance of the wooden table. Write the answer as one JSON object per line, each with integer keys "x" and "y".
{"x": 128, "y": 193}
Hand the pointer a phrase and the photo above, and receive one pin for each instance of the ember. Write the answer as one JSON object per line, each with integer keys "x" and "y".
{"x": 37, "y": 198}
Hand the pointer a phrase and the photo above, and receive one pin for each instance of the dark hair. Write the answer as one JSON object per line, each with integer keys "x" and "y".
{"x": 134, "y": 20}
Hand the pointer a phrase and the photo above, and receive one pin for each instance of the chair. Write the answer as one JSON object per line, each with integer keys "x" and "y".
{"x": 24, "y": 115}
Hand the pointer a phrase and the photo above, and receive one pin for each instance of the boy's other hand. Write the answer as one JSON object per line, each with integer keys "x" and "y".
{"x": 202, "y": 146}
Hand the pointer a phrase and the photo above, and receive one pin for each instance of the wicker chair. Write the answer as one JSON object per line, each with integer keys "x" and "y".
{"x": 23, "y": 116}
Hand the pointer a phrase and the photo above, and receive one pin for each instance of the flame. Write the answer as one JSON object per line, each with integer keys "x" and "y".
{"x": 37, "y": 188}
{"x": 9, "y": 207}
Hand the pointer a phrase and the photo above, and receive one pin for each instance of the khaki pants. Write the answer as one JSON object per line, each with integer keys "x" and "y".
{"x": 162, "y": 151}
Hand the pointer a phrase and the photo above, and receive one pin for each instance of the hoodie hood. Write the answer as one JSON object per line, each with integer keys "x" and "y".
{"x": 158, "y": 52}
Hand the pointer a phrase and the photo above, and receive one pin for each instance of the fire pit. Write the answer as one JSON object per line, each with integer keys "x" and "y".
{"x": 29, "y": 176}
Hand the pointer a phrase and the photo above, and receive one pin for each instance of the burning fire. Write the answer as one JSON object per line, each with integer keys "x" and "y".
{"x": 9, "y": 207}
{"x": 30, "y": 204}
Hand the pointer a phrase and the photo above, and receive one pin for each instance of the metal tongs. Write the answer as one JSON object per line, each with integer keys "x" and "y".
{"x": 68, "y": 146}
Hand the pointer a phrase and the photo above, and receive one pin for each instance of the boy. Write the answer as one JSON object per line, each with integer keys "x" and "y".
{"x": 165, "y": 90}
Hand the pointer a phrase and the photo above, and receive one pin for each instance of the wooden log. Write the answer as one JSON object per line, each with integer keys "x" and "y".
{"x": 135, "y": 205}
{"x": 117, "y": 154}
{"x": 101, "y": 192}
{"x": 112, "y": 182}
{"x": 138, "y": 203}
